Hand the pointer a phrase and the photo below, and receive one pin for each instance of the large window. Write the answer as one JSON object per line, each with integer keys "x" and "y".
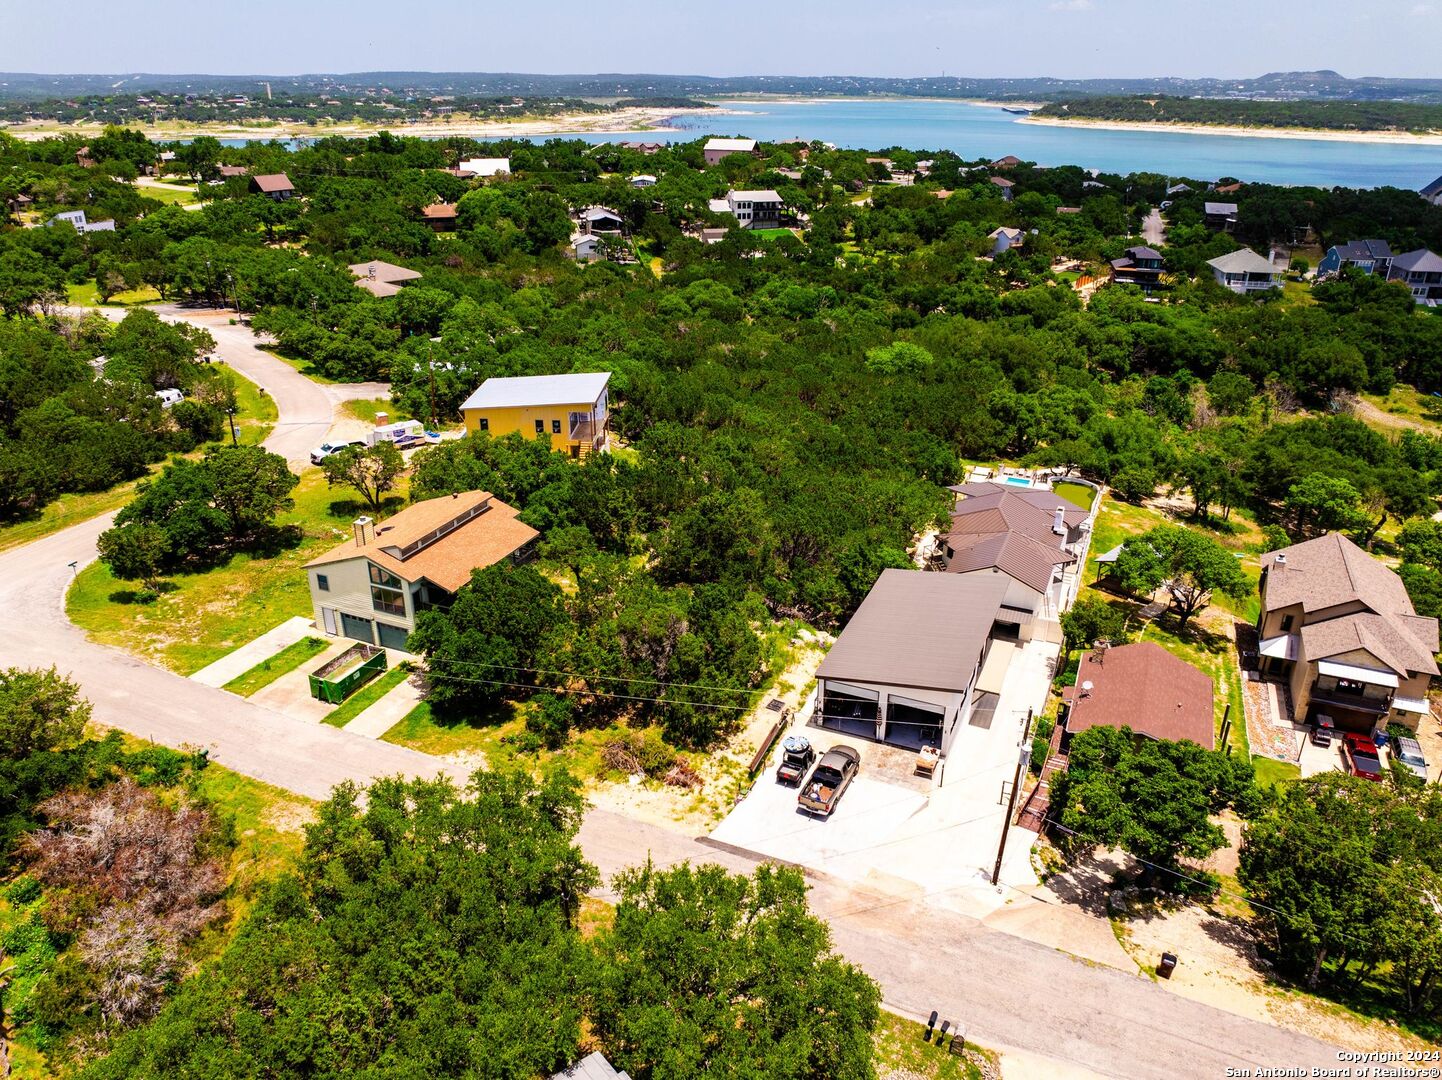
{"x": 387, "y": 592}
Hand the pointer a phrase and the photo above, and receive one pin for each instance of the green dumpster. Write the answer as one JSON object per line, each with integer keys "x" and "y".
{"x": 338, "y": 679}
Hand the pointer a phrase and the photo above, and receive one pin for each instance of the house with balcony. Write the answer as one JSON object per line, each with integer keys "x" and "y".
{"x": 1421, "y": 272}
{"x": 1244, "y": 271}
{"x": 600, "y": 219}
{"x": 275, "y": 186}
{"x": 371, "y": 587}
{"x": 751, "y": 209}
{"x": 1004, "y": 238}
{"x": 570, "y": 413}
{"x": 1338, "y": 628}
{"x": 1368, "y": 256}
{"x": 1220, "y": 216}
{"x": 1140, "y": 266}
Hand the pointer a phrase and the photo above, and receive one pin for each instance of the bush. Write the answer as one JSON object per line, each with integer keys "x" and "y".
{"x": 634, "y": 752}
{"x": 1040, "y": 748}
{"x": 1045, "y": 725}
{"x": 22, "y": 891}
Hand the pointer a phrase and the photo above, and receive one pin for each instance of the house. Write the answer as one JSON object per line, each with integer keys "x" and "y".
{"x": 1011, "y": 161}
{"x": 1339, "y": 629}
{"x": 1433, "y": 192}
{"x": 586, "y": 247}
{"x": 1227, "y": 189}
{"x": 486, "y": 166}
{"x": 751, "y": 209}
{"x": 1140, "y": 266}
{"x": 570, "y": 412}
{"x": 371, "y": 587}
{"x": 440, "y": 216}
{"x": 275, "y": 186}
{"x": 713, "y": 236}
{"x": 1220, "y": 215}
{"x": 1027, "y": 537}
{"x": 382, "y": 278}
{"x": 1421, "y": 272}
{"x": 1368, "y": 256}
{"x": 228, "y": 172}
{"x": 915, "y": 663}
{"x": 599, "y": 219}
{"x": 643, "y": 147}
{"x": 591, "y": 1067}
{"x": 1005, "y": 185}
{"x": 83, "y": 158}
{"x": 18, "y": 202}
{"x": 716, "y": 149}
{"x": 642, "y": 180}
{"x": 1068, "y": 209}
{"x": 1178, "y": 189}
{"x": 1142, "y": 687}
{"x": 1244, "y": 271}
{"x": 1005, "y": 238}
{"x": 76, "y": 220}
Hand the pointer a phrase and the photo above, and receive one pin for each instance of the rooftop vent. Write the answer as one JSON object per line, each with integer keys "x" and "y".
{"x": 365, "y": 531}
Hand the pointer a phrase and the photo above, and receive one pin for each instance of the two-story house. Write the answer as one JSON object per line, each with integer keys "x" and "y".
{"x": 1221, "y": 216}
{"x": 1421, "y": 272}
{"x": 1244, "y": 271}
{"x": 751, "y": 209}
{"x": 1340, "y": 629}
{"x": 1140, "y": 266}
{"x": 717, "y": 149}
{"x": 568, "y": 412}
{"x": 371, "y": 587}
{"x": 1368, "y": 256}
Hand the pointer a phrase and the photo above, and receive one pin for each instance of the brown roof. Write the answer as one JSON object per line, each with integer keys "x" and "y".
{"x": 919, "y": 630}
{"x": 235, "y": 170}
{"x": 1329, "y": 571}
{"x": 1227, "y": 189}
{"x": 269, "y": 183}
{"x": 492, "y": 534}
{"x": 1145, "y": 688}
{"x": 439, "y": 212}
{"x": 1001, "y": 181}
{"x": 985, "y": 493}
{"x": 1010, "y": 161}
{"x": 1391, "y": 643}
{"x": 1029, "y": 561}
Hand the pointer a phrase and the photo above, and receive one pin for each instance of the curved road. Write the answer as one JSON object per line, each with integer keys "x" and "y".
{"x": 1064, "y": 1016}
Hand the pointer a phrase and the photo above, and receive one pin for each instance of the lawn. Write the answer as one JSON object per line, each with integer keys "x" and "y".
{"x": 256, "y": 413}
{"x": 900, "y": 1049}
{"x": 171, "y": 194}
{"x": 283, "y": 662}
{"x": 488, "y": 735}
{"x": 365, "y": 697}
{"x": 202, "y": 616}
{"x": 1272, "y": 773}
{"x": 367, "y": 409}
{"x": 303, "y": 366}
{"x": 1074, "y": 493}
{"x": 86, "y": 295}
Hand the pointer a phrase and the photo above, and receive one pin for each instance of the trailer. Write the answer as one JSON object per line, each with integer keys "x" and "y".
{"x": 339, "y": 678}
{"x": 410, "y": 432}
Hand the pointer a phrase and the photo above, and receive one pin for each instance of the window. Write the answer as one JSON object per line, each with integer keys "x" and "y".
{"x": 1287, "y": 621}
{"x": 386, "y": 592}
{"x": 322, "y": 583}
{"x": 1347, "y": 686}
{"x": 485, "y": 423}
{"x": 555, "y": 427}
{"x": 540, "y": 427}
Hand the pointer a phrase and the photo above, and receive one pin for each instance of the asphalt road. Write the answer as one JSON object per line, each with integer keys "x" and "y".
{"x": 1154, "y": 229}
{"x": 1002, "y": 990}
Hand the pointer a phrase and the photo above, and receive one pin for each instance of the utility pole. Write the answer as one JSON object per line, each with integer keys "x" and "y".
{"x": 1023, "y": 756}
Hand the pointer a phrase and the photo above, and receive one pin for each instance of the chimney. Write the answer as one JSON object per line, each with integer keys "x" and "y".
{"x": 1280, "y": 560}
{"x": 365, "y": 531}
{"x": 1058, "y": 521}
{"x": 371, "y": 271}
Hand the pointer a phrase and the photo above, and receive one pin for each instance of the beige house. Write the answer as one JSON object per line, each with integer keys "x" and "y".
{"x": 1339, "y": 628}
{"x": 371, "y": 587}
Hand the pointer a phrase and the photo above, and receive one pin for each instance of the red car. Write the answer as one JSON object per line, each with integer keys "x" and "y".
{"x": 1362, "y": 757}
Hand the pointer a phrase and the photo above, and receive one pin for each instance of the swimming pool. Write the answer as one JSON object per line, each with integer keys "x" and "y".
{"x": 1019, "y": 481}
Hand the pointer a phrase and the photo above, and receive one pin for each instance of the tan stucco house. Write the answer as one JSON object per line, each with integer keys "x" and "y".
{"x": 371, "y": 587}
{"x": 1340, "y": 629}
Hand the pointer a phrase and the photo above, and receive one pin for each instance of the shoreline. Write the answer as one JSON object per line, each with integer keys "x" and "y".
{"x": 1395, "y": 138}
{"x": 644, "y": 119}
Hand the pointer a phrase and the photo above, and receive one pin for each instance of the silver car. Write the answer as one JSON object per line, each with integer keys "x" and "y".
{"x": 1409, "y": 753}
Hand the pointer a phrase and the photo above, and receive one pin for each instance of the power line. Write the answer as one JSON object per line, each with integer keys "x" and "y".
{"x": 582, "y": 675}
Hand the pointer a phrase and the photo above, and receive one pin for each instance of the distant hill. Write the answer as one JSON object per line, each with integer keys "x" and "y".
{"x": 1291, "y": 85}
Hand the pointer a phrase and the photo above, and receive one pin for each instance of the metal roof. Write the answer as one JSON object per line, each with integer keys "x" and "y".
{"x": 1432, "y": 189}
{"x": 1220, "y": 207}
{"x": 744, "y": 145}
{"x": 917, "y": 629}
{"x": 533, "y": 390}
{"x": 1243, "y": 261}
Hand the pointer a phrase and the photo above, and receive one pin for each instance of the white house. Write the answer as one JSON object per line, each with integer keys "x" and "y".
{"x": 1005, "y": 238}
{"x": 486, "y": 166}
{"x": 716, "y": 149}
{"x": 643, "y": 180}
{"x": 586, "y": 247}
{"x": 1433, "y": 192}
{"x": 76, "y": 220}
{"x": 1244, "y": 271}
{"x": 751, "y": 209}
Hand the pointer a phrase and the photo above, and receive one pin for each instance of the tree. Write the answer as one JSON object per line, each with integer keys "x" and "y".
{"x": 1320, "y": 504}
{"x": 898, "y": 358}
{"x": 709, "y": 973}
{"x": 40, "y": 711}
{"x": 156, "y": 353}
{"x": 250, "y": 486}
{"x": 1151, "y": 797}
{"x": 1191, "y": 564}
{"x": 371, "y": 470}
{"x": 1093, "y": 619}
{"x": 135, "y": 552}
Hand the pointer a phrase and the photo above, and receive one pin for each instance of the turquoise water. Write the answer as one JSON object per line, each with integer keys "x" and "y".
{"x": 980, "y": 131}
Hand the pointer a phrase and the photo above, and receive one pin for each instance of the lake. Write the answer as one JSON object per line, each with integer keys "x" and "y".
{"x": 981, "y": 131}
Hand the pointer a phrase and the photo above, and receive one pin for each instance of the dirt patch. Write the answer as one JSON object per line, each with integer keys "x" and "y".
{"x": 288, "y": 816}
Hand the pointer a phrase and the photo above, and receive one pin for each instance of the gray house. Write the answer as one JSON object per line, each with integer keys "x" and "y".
{"x": 1244, "y": 271}
{"x": 1421, "y": 272}
{"x": 591, "y": 1067}
{"x": 1368, "y": 256}
{"x": 1220, "y": 215}
{"x": 1433, "y": 192}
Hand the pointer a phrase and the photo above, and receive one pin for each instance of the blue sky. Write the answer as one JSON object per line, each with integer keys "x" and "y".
{"x": 1075, "y": 38}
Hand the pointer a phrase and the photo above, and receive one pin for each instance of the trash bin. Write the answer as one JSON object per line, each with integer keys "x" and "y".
{"x": 1167, "y": 965}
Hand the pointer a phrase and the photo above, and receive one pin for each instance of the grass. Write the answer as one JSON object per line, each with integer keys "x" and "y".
{"x": 174, "y": 195}
{"x": 1076, "y": 494}
{"x": 367, "y": 409}
{"x": 255, "y": 412}
{"x": 304, "y": 367}
{"x": 1272, "y": 773}
{"x": 365, "y": 697}
{"x": 87, "y": 295}
{"x": 282, "y": 663}
{"x": 899, "y": 1046}
{"x": 488, "y": 734}
{"x": 202, "y": 616}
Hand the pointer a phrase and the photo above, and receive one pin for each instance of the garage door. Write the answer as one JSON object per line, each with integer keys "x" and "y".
{"x": 913, "y": 724}
{"x": 852, "y": 709}
{"x": 392, "y": 637}
{"x": 353, "y": 627}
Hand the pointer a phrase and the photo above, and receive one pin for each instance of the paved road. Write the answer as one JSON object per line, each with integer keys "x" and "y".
{"x": 1005, "y": 991}
{"x": 1154, "y": 229}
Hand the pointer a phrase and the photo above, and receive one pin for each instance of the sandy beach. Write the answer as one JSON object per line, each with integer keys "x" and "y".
{"x": 620, "y": 121}
{"x": 1401, "y": 138}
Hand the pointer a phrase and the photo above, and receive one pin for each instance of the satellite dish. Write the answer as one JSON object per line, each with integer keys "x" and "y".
{"x": 1087, "y": 686}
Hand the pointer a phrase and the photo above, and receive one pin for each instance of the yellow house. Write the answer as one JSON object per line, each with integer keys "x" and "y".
{"x": 568, "y": 411}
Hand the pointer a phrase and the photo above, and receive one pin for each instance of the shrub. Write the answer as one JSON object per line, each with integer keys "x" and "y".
{"x": 22, "y": 891}
{"x": 1040, "y": 748}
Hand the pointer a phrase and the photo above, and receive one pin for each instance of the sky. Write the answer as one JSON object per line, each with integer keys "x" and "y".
{"x": 984, "y": 38}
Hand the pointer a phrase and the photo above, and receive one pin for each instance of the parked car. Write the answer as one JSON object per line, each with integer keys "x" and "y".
{"x": 829, "y": 780}
{"x": 1362, "y": 758}
{"x": 326, "y": 449}
{"x": 797, "y": 756}
{"x": 170, "y": 397}
{"x": 1323, "y": 731}
{"x": 1409, "y": 753}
